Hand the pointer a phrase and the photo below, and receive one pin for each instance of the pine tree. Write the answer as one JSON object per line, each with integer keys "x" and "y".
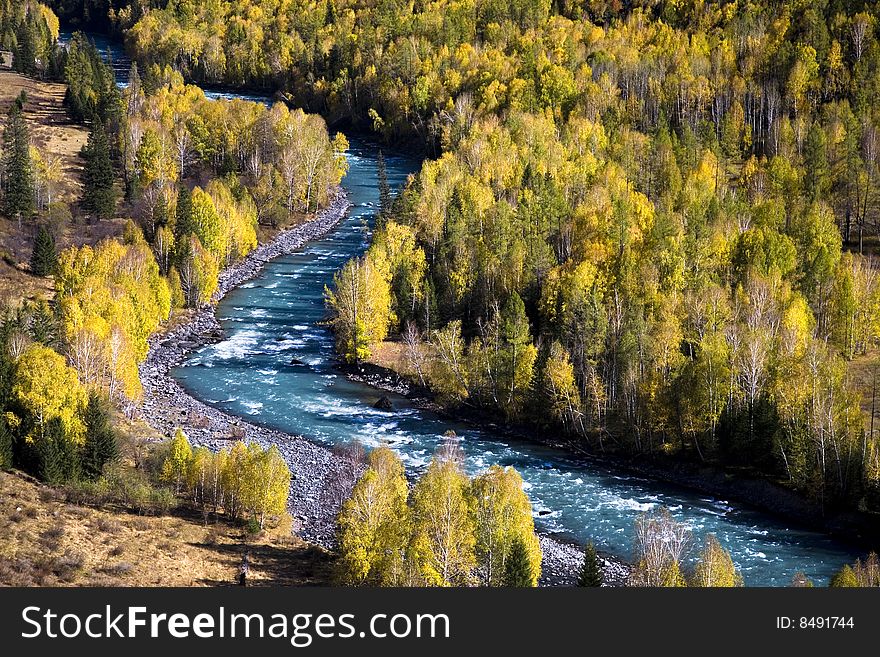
{"x": 591, "y": 571}
{"x": 183, "y": 220}
{"x": 43, "y": 324}
{"x": 7, "y": 364}
{"x": 19, "y": 102}
{"x": 25, "y": 54}
{"x": 58, "y": 461}
{"x": 44, "y": 256}
{"x": 517, "y": 568}
{"x": 99, "y": 195}
{"x": 816, "y": 163}
{"x": 100, "y": 441}
{"x": 109, "y": 107}
{"x": 519, "y": 355}
{"x": 330, "y": 14}
{"x": 18, "y": 185}
{"x": 91, "y": 90}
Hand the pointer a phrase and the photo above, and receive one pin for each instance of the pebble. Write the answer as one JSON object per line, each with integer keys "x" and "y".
{"x": 562, "y": 563}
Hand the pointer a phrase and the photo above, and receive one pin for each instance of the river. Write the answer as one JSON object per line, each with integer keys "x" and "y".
{"x": 275, "y": 320}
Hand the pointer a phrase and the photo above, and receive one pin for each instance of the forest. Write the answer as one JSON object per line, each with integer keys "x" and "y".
{"x": 648, "y": 227}
{"x": 657, "y": 224}
{"x": 183, "y": 183}
{"x": 658, "y": 220}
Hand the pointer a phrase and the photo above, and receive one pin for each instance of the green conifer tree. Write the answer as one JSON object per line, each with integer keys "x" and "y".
{"x": 330, "y": 14}
{"x": 591, "y": 571}
{"x": 57, "y": 458}
{"x": 99, "y": 194}
{"x": 18, "y": 184}
{"x": 517, "y": 569}
{"x": 183, "y": 220}
{"x": 6, "y": 448}
{"x": 25, "y": 53}
{"x": 42, "y": 323}
{"x": 100, "y": 442}
{"x": 44, "y": 256}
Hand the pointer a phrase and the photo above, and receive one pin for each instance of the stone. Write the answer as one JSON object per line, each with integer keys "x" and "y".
{"x": 384, "y": 404}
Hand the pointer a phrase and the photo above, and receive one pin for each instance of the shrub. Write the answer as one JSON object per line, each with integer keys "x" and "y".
{"x": 108, "y": 526}
{"x": 117, "y": 569}
{"x": 50, "y": 539}
{"x": 93, "y": 493}
{"x": 163, "y": 500}
{"x": 67, "y": 566}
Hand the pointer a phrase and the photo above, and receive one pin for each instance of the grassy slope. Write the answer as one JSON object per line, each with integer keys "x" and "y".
{"x": 46, "y": 541}
{"x": 54, "y": 135}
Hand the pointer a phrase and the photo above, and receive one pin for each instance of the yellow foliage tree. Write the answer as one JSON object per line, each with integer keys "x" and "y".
{"x": 503, "y": 515}
{"x": 48, "y": 389}
{"x": 374, "y": 523}
{"x": 111, "y": 298}
{"x": 178, "y": 461}
{"x": 715, "y": 567}
{"x": 361, "y": 304}
{"x": 270, "y": 485}
{"x": 443, "y": 531}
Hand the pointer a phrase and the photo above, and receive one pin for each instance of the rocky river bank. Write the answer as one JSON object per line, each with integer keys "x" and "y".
{"x": 320, "y": 477}
{"x": 167, "y": 406}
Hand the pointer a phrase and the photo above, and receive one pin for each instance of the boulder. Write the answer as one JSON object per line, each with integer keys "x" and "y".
{"x": 384, "y": 404}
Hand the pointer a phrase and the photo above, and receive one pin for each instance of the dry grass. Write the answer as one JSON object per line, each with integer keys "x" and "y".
{"x": 16, "y": 285}
{"x": 45, "y": 541}
{"x": 392, "y": 356}
{"x": 54, "y": 135}
{"x": 51, "y": 129}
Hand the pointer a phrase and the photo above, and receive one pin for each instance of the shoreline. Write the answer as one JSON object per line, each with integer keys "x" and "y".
{"x": 761, "y": 494}
{"x": 166, "y": 406}
{"x": 315, "y": 494}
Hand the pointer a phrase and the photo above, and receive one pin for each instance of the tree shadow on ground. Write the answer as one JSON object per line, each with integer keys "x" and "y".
{"x": 273, "y": 565}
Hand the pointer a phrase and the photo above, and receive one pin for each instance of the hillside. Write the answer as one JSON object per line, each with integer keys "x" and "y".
{"x": 46, "y": 540}
{"x": 59, "y": 142}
